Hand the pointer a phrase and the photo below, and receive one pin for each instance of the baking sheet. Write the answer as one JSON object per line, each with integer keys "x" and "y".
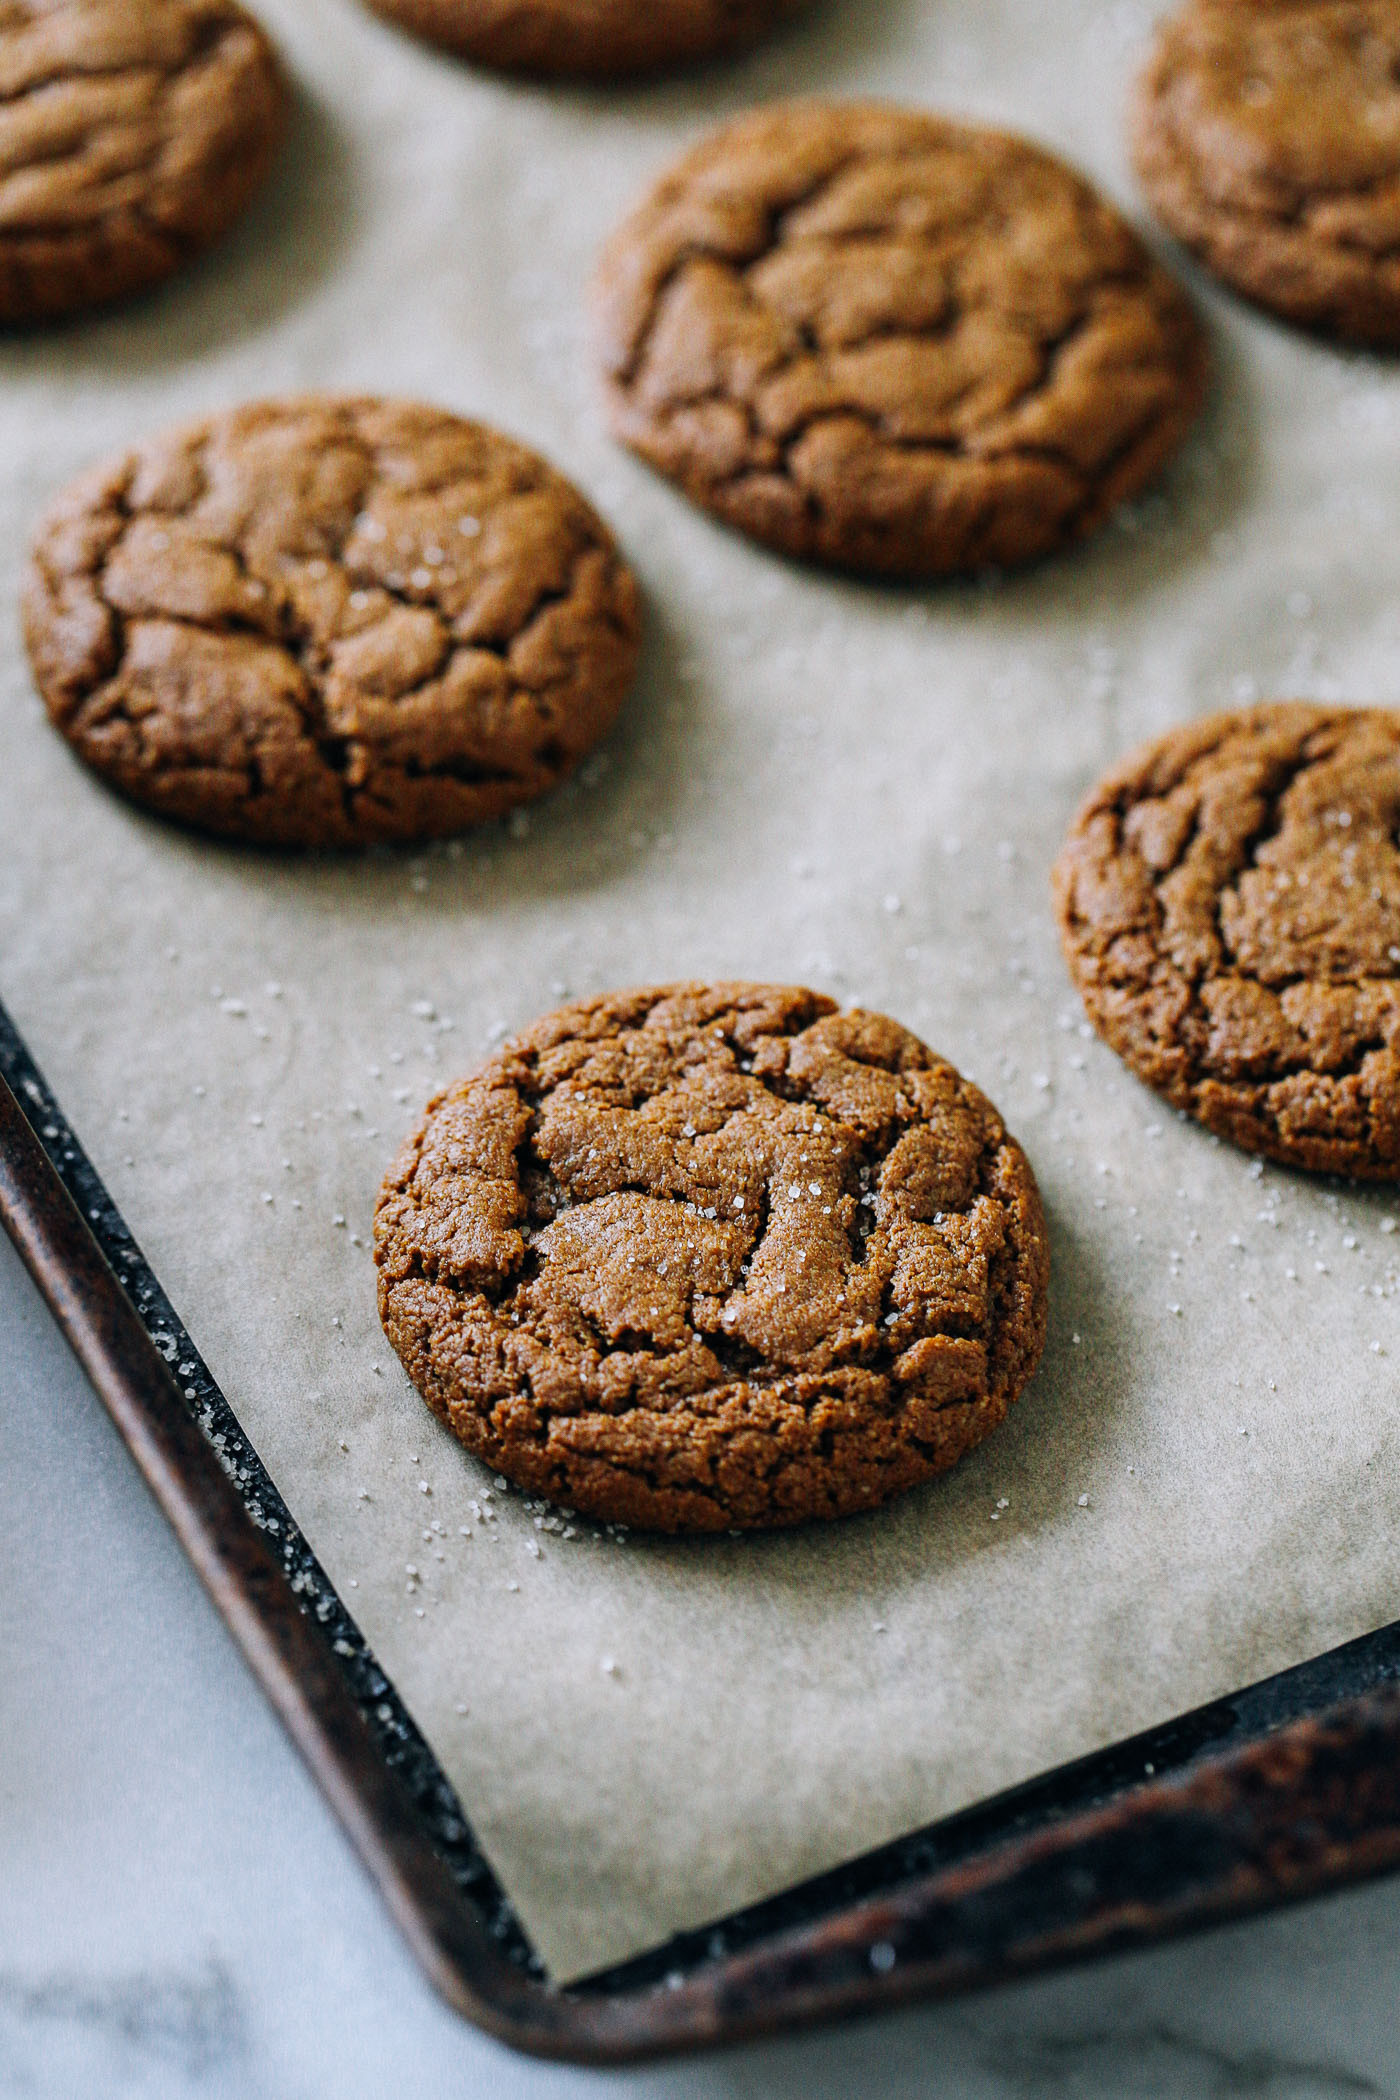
{"x": 855, "y": 787}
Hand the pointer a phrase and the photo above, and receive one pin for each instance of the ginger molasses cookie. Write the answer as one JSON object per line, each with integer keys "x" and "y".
{"x": 1267, "y": 135}
{"x": 714, "y": 1255}
{"x": 1229, "y": 901}
{"x": 132, "y": 134}
{"x": 325, "y": 622}
{"x": 882, "y": 340}
{"x": 589, "y": 39}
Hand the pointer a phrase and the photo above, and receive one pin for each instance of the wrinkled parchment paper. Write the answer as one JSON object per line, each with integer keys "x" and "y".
{"x": 856, "y": 787}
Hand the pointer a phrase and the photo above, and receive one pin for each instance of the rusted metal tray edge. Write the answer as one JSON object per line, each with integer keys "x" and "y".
{"x": 1288, "y": 1789}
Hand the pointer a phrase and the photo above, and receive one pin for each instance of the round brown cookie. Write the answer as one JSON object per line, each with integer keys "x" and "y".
{"x": 325, "y": 622}
{"x": 896, "y": 344}
{"x": 589, "y": 39}
{"x": 132, "y": 133}
{"x": 712, "y": 1256}
{"x": 1267, "y": 135}
{"x": 1229, "y": 901}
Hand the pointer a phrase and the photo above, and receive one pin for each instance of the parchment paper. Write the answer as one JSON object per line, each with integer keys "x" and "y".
{"x": 817, "y": 781}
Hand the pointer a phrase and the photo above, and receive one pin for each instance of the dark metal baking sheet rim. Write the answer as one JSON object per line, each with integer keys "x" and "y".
{"x": 1286, "y": 1789}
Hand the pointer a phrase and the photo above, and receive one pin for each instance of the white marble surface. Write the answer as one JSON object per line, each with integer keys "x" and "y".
{"x": 179, "y": 1914}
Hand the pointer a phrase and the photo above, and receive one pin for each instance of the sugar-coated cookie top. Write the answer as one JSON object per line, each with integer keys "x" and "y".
{"x": 329, "y": 621}
{"x": 1229, "y": 899}
{"x": 880, "y": 339}
{"x": 132, "y": 133}
{"x": 720, "y": 1255}
{"x": 1267, "y": 134}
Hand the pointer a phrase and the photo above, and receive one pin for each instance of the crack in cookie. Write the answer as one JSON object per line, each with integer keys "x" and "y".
{"x": 329, "y": 622}
{"x": 1229, "y": 903}
{"x": 892, "y": 343}
{"x": 704, "y": 1257}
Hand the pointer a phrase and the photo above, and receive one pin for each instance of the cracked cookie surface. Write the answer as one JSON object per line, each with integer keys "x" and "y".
{"x": 703, "y": 1257}
{"x": 1229, "y": 903}
{"x": 892, "y": 343}
{"x": 132, "y": 134}
{"x": 589, "y": 39}
{"x": 328, "y": 622}
{"x": 1267, "y": 135}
